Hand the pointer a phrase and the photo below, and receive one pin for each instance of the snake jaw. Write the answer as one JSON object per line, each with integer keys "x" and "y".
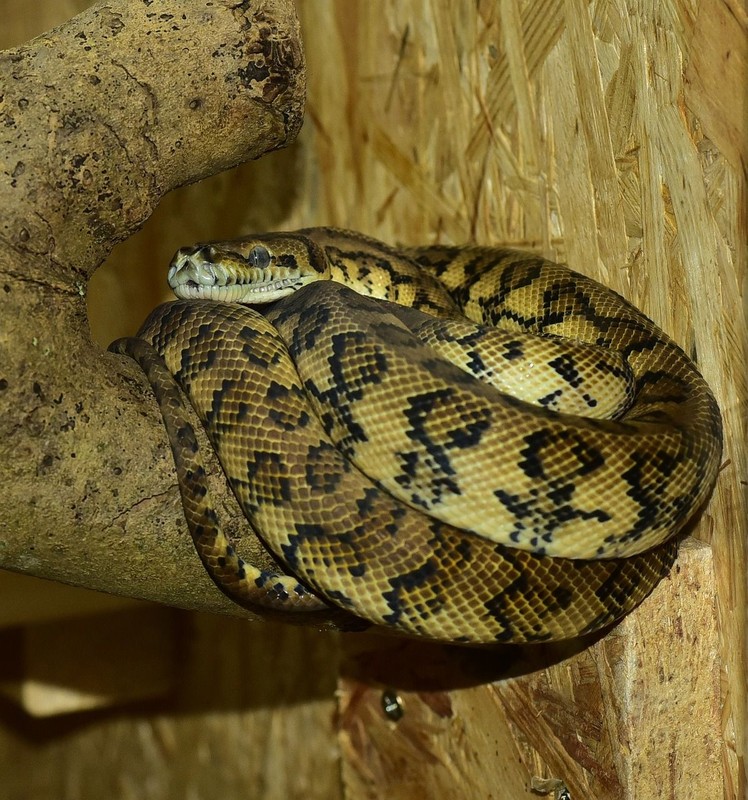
{"x": 205, "y": 272}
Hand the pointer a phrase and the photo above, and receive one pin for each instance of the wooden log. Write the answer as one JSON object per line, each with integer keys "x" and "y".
{"x": 102, "y": 117}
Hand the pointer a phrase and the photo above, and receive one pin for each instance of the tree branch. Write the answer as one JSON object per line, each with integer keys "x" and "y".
{"x": 100, "y": 118}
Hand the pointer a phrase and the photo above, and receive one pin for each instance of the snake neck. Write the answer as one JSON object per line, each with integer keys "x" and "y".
{"x": 374, "y": 269}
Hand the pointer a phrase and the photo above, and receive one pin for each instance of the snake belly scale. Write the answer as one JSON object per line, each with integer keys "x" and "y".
{"x": 375, "y": 446}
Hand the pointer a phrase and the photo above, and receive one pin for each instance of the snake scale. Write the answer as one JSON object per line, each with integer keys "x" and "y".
{"x": 378, "y": 448}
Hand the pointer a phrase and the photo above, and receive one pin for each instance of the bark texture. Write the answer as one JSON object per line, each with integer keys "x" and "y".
{"x": 101, "y": 118}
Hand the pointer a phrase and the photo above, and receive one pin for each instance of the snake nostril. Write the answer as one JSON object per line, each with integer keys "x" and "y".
{"x": 208, "y": 253}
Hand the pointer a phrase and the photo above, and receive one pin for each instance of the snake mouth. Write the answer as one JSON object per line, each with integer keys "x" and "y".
{"x": 196, "y": 275}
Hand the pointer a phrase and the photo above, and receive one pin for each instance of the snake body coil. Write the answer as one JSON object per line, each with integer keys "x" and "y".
{"x": 438, "y": 497}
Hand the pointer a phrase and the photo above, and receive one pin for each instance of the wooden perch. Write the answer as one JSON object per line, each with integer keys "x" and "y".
{"x": 100, "y": 119}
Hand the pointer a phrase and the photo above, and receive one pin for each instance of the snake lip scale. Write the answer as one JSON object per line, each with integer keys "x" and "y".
{"x": 467, "y": 444}
{"x": 205, "y": 272}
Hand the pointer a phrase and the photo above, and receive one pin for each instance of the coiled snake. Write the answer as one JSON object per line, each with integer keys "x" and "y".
{"x": 438, "y": 497}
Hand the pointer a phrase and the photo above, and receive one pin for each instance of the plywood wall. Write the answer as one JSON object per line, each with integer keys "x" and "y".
{"x": 609, "y": 134}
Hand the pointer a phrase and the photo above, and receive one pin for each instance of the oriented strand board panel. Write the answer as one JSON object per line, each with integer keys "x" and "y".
{"x": 71, "y": 665}
{"x": 249, "y": 714}
{"x": 609, "y": 134}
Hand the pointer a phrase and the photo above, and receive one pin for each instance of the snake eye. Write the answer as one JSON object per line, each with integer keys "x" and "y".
{"x": 259, "y": 257}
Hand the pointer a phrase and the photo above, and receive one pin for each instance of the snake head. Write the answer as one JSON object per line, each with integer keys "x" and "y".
{"x": 253, "y": 270}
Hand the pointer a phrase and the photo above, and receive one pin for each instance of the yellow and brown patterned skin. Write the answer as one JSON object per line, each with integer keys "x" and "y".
{"x": 360, "y": 456}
